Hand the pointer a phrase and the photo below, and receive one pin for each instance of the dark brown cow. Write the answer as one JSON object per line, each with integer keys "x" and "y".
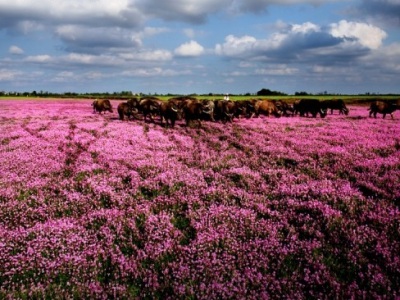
{"x": 382, "y": 107}
{"x": 170, "y": 112}
{"x": 336, "y": 104}
{"x": 225, "y": 110}
{"x": 101, "y": 105}
{"x": 133, "y": 103}
{"x": 124, "y": 109}
{"x": 284, "y": 108}
{"x": 193, "y": 111}
{"x": 244, "y": 108}
{"x": 267, "y": 108}
{"x": 149, "y": 106}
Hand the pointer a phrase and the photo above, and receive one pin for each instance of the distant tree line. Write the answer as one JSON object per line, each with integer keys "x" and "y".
{"x": 128, "y": 94}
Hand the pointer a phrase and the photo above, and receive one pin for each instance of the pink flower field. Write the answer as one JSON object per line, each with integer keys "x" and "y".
{"x": 263, "y": 208}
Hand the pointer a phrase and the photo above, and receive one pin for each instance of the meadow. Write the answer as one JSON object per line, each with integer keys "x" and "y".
{"x": 263, "y": 208}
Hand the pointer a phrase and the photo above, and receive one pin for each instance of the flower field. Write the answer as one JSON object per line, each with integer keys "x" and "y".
{"x": 279, "y": 208}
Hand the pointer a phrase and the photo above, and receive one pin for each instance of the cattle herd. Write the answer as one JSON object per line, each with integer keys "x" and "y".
{"x": 193, "y": 110}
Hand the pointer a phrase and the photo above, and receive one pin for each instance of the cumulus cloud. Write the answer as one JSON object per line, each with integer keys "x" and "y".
{"x": 367, "y": 35}
{"x": 189, "y": 49}
{"x": 15, "y": 50}
{"x": 304, "y": 42}
{"x": 236, "y": 46}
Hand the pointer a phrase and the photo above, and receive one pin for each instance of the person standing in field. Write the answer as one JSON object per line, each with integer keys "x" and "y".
{"x": 226, "y": 97}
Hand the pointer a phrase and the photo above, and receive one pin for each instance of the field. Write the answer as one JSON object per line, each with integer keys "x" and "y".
{"x": 280, "y": 208}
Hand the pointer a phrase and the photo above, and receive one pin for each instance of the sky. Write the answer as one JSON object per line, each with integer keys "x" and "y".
{"x": 200, "y": 46}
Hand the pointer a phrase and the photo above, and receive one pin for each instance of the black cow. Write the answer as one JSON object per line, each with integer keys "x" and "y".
{"x": 336, "y": 104}
{"x": 170, "y": 112}
{"x": 383, "y": 107}
{"x": 312, "y": 106}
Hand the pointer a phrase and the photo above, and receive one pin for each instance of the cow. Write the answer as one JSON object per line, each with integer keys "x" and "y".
{"x": 224, "y": 110}
{"x": 149, "y": 106}
{"x": 383, "y": 107}
{"x": 312, "y": 106}
{"x": 295, "y": 107}
{"x": 193, "y": 111}
{"x": 170, "y": 112}
{"x": 208, "y": 111}
{"x": 284, "y": 108}
{"x": 337, "y": 104}
{"x": 266, "y": 107}
{"x": 125, "y": 109}
{"x": 100, "y": 105}
{"x": 244, "y": 108}
{"x": 133, "y": 103}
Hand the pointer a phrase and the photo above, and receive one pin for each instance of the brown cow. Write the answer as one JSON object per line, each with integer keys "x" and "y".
{"x": 124, "y": 109}
{"x": 266, "y": 108}
{"x": 382, "y": 107}
{"x": 101, "y": 105}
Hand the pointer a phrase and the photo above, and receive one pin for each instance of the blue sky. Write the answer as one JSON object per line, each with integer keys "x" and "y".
{"x": 193, "y": 46}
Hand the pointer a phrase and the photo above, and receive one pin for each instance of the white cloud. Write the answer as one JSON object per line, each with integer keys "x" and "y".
{"x": 367, "y": 35}
{"x": 15, "y": 50}
{"x": 39, "y": 58}
{"x": 8, "y": 75}
{"x": 189, "y": 49}
{"x": 305, "y": 28}
{"x": 153, "y": 72}
{"x": 149, "y": 55}
{"x": 277, "y": 70}
{"x": 234, "y": 46}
